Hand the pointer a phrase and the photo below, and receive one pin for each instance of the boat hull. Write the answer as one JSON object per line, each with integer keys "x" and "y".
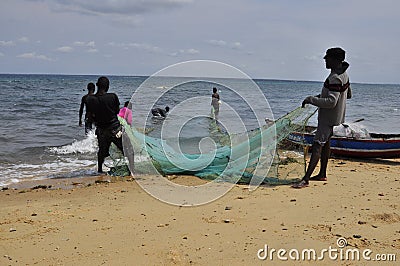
{"x": 386, "y": 146}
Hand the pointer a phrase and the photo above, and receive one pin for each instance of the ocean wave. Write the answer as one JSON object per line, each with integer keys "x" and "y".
{"x": 14, "y": 173}
{"x": 87, "y": 145}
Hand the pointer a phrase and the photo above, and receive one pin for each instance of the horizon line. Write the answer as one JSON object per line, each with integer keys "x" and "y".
{"x": 130, "y": 75}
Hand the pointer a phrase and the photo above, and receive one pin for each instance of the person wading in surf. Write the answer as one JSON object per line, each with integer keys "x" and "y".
{"x": 215, "y": 101}
{"x": 88, "y": 115}
{"x": 105, "y": 108}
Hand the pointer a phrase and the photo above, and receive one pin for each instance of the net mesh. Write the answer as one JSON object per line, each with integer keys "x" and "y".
{"x": 265, "y": 149}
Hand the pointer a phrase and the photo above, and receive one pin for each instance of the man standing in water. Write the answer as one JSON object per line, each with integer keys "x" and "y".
{"x": 215, "y": 103}
{"x": 105, "y": 108}
{"x": 331, "y": 105}
{"x": 88, "y": 115}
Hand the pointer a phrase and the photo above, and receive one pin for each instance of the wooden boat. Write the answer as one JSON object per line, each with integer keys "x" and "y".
{"x": 376, "y": 146}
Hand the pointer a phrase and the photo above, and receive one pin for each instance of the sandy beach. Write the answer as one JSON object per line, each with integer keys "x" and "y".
{"x": 116, "y": 222}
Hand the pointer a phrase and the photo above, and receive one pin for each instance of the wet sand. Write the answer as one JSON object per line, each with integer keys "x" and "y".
{"x": 115, "y": 222}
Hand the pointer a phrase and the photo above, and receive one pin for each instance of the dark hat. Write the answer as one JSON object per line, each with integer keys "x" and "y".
{"x": 336, "y": 53}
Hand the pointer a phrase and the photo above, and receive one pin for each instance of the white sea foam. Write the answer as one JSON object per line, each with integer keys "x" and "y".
{"x": 14, "y": 173}
{"x": 87, "y": 145}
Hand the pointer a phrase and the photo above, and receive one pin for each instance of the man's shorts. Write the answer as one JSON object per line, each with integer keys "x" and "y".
{"x": 105, "y": 137}
{"x": 323, "y": 134}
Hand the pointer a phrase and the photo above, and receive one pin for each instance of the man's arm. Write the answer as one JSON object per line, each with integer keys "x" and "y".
{"x": 81, "y": 110}
{"x": 328, "y": 102}
{"x": 116, "y": 104}
{"x": 349, "y": 93}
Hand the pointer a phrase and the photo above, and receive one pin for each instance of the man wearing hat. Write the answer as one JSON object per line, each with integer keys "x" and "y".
{"x": 331, "y": 105}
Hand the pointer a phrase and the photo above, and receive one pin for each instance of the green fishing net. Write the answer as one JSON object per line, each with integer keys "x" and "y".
{"x": 262, "y": 154}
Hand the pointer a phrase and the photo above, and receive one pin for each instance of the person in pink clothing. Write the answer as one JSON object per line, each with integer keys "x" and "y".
{"x": 126, "y": 113}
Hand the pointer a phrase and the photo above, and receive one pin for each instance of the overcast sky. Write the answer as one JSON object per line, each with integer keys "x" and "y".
{"x": 273, "y": 39}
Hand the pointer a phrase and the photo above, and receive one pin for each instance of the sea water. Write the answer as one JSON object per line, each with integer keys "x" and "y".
{"x": 40, "y": 137}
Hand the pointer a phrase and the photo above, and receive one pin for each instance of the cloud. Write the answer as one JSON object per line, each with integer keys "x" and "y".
{"x": 313, "y": 57}
{"x": 236, "y": 45}
{"x": 79, "y": 43}
{"x": 91, "y": 45}
{"x": 217, "y": 42}
{"x": 33, "y": 55}
{"x": 126, "y": 20}
{"x": 221, "y": 43}
{"x": 23, "y": 39}
{"x": 85, "y": 44}
{"x": 1, "y": 54}
{"x": 121, "y": 12}
{"x": 92, "y": 50}
{"x": 141, "y": 46}
{"x": 7, "y": 43}
{"x": 122, "y": 7}
{"x": 146, "y": 47}
{"x": 153, "y": 49}
{"x": 65, "y": 49}
{"x": 190, "y": 51}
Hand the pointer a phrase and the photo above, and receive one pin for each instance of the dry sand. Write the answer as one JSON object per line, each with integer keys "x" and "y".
{"x": 118, "y": 223}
